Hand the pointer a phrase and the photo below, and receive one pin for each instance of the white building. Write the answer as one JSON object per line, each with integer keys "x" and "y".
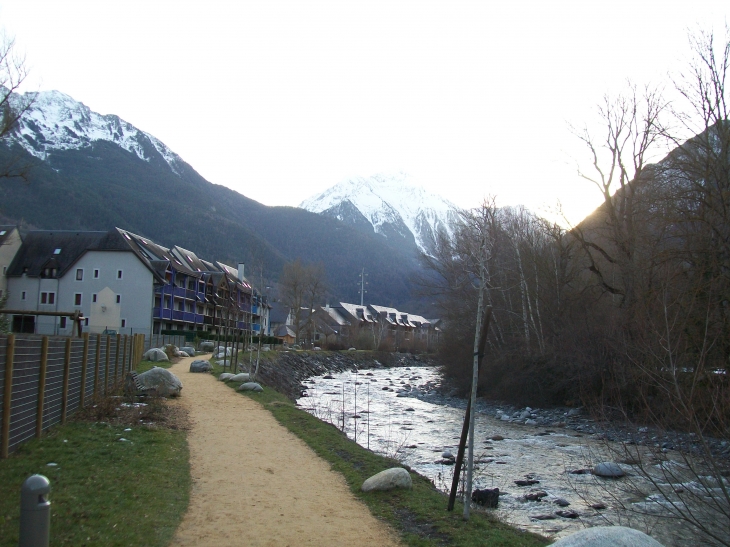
{"x": 9, "y": 244}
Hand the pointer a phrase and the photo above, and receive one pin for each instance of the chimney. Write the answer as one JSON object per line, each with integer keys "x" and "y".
{"x": 241, "y": 267}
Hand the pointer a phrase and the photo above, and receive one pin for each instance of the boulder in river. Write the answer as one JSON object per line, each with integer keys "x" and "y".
{"x": 610, "y": 470}
{"x": 488, "y": 497}
{"x": 395, "y": 477}
{"x": 607, "y": 536}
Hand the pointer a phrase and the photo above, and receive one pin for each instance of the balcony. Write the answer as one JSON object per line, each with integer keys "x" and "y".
{"x": 161, "y": 313}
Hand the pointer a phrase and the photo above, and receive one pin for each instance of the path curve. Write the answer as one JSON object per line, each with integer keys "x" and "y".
{"x": 255, "y": 483}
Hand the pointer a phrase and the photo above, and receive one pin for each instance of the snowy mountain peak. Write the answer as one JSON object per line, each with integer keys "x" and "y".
{"x": 55, "y": 121}
{"x": 391, "y": 205}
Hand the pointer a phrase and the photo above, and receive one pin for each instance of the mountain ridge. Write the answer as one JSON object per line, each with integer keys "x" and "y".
{"x": 405, "y": 214}
{"x": 79, "y": 181}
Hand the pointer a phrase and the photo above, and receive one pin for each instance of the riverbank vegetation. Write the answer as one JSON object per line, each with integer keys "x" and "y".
{"x": 627, "y": 312}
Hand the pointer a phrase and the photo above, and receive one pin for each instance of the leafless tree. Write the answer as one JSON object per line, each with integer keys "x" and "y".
{"x": 13, "y": 106}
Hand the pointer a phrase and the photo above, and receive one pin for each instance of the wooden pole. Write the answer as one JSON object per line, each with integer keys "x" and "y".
{"x": 7, "y": 394}
{"x": 66, "y": 373}
{"x": 467, "y": 417}
{"x": 97, "y": 366}
{"x": 106, "y": 363}
{"x": 117, "y": 369}
{"x": 84, "y": 368}
{"x": 124, "y": 355}
{"x": 41, "y": 387}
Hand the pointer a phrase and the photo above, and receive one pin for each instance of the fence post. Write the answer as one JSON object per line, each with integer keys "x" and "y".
{"x": 66, "y": 372}
{"x": 117, "y": 371}
{"x": 41, "y": 387}
{"x": 84, "y": 368}
{"x": 124, "y": 355}
{"x": 96, "y": 366}
{"x": 7, "y": 394}
{"x": 106, "y": 363}
{"x": 141, "y": 348}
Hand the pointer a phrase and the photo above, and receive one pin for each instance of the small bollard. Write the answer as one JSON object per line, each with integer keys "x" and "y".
{"x": 35, "y": 512}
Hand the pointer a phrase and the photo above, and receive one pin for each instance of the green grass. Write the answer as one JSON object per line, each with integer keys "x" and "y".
{"x": 419, "y": 514}
{"x": 104, "y": 491}
{"x": 144, "y": 366}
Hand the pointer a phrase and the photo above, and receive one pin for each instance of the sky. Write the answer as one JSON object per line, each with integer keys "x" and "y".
{"x": 281, "y": 100}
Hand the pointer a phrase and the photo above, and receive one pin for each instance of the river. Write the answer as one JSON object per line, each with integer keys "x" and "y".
{"x": 400, "y": 412}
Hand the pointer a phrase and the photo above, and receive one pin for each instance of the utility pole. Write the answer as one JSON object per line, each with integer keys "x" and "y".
{"x": 363, "y": 275}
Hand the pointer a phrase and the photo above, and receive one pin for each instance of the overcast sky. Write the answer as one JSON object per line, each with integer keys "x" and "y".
{"x": 281, "y": 100}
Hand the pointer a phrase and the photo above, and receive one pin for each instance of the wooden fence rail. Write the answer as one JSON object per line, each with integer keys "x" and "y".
{"x": 45, "y": 379}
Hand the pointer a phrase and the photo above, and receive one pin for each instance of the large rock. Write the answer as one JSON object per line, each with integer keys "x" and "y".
{"x": 155, "y": 354}
{"x": 225, "y": 376}
{"x": 200, "y": 366}
{"x": 240, "y": 377}
{"x": 189, "y": 350}
{"x": 160, "y": 381}
{"x": 206, "y": 345}
{"x": 395, "y": 477}
{"x": 489, "y": 497}
{"x": 251, "y": 386}
{"x": 609, "y": 470}
{"x": 608, "y": 536}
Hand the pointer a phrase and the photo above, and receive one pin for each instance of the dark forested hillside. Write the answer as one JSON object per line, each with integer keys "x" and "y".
{"x": 105, "y": 186}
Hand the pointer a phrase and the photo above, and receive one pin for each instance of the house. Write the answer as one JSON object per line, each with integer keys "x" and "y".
{"x": 10, "y": 241}
{"x": 127, "y": 283}
{"x": 94, "y": 273}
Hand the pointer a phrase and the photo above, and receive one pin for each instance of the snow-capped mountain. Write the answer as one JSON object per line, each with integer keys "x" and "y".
{"x": 391, "y": 206}
{"x": 56, "y": 121}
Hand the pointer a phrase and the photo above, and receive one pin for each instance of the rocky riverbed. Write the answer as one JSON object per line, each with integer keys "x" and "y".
{"x": 539, "y": 459}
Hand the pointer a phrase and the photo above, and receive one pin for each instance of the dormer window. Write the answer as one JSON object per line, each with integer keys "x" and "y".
{"x": 57, "y": 252}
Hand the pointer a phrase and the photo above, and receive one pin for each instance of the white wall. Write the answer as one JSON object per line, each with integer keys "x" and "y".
{"x": 135, "y": 291}
{"x": 7, "y": 253}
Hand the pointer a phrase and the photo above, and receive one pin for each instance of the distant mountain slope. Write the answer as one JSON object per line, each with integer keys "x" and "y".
{"x": 406, "y": 215}
{"x": 93, "y": 172}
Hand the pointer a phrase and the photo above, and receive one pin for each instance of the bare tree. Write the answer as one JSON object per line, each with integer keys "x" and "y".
{"x": 13, "y": 106}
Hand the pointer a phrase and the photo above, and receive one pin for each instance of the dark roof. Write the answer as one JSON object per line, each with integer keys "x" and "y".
{"x": 279, "y": 313}
{"x": 60, "y": 249}
{"x": 8, "y": 229}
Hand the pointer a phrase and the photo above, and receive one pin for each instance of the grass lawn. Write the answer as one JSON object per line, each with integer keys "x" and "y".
{"x": 104, "y": 491}
{"x": 419, "y": 514}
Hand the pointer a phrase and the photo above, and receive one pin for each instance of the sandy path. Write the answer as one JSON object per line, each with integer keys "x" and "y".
{"x": 255, "y": 483}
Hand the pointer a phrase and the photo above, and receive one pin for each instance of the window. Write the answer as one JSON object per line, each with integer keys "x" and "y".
{"x": 63, "y": 323}
{"x": 124, "y": 323}
{"x": 96, "y": 274}
{"x": 119, "y": 274}
{"x": 77, "y": 299}
{"x": 93, "y": 297}
{"x": 119, "y": 298}
{"x": 79, "y": 274}
{"x": 48, "y": 298}
{"x": 22, "y": 295}
{"x": 86, "y": 321}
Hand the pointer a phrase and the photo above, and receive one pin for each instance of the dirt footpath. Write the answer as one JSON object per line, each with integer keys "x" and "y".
{"x": 256, "y": 484}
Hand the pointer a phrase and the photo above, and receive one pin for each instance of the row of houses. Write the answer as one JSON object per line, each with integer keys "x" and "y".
{"x": 361, "y": 326}
{"x": 121, "y": 282}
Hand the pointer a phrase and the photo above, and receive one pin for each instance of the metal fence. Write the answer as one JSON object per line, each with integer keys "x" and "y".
{"x": 161, "y": 340}
{"x": 44, "y": 379}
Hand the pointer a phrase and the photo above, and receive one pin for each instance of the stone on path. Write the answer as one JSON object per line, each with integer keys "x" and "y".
{"x": 395, "y": 477}
{"x": 161, "y": 381}
{"x": 200, "y": 366}
{"x": 609, "y": 470}
{"x": 608, "y": 536}
{"x": 251, "y": 386}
